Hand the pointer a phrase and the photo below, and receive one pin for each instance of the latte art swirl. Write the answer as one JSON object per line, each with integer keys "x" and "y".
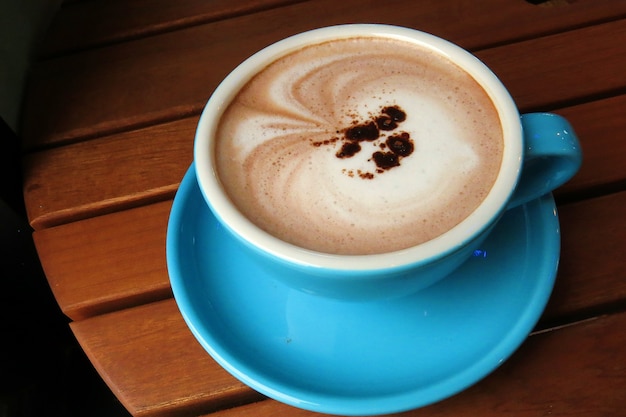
{"x": 281, "y": 146}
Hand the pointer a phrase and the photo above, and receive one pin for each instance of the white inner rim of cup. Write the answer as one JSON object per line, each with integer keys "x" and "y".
{"x": 456, "y": 237}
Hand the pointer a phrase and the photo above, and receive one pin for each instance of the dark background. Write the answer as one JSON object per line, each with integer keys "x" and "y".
{"x": 43, "y": 370}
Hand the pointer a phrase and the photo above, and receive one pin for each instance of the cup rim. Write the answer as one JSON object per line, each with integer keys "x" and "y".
{"x": 471, "y": 227}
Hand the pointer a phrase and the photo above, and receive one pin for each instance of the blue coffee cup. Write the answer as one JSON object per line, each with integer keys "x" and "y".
{"x": 540, "y": 153}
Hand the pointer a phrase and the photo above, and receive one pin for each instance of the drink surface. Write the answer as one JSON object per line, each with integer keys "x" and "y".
{"x": 359, "y": 146}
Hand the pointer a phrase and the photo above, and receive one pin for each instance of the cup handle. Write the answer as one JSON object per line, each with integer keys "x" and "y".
{"x": 552, "y": 156}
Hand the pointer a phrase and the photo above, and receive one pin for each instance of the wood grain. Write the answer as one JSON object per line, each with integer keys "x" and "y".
{"x": 152, "y": 363}
{"x": 113, "y": 173}
{"x": 563, "y": 69}
{"x": 170, "y": 76}
{"x": 84, "y": 25}
{"x": 579, "y": 370}
{"x": 107, "y": 263}
{"x": 138, "y": 167}
{"x": 118, "y": 260}
{"x": 598, "y": 124}
{"x": 108, "y": 124}
{"x": 576, "y": 369}
{"x": 89, "y": 24}
{"x": 592, "y": 270}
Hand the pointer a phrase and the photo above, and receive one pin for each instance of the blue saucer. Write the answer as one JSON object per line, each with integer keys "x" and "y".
{"x": 360, "y": 358}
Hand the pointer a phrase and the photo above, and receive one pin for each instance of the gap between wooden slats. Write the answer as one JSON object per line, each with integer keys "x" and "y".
{"x": 598, "y": 125}
{"x": 118, "y": 261}
{"x": 89, "y": 24}
{"x": 152, "y": 363}
{"x": 81, "y": 249}
{"x": 84, "y": 25}
{"x": 570, "y": 370}
{"x": 136, "y": 168}
{"x": 101, "y": 176}
{"x": 170, "y": 76}
{"x": 591, "y": 279}
{"x": 576, "y": 67}
{"x": 107, "y": 263}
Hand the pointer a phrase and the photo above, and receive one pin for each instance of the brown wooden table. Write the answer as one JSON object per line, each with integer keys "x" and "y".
{"x": 108, "y": 126}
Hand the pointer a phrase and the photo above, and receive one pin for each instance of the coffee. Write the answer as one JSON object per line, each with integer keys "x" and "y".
{"x": 359, "y": 146}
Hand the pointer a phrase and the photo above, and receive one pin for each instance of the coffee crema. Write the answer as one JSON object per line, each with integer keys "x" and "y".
{"x": 289, "y": 154}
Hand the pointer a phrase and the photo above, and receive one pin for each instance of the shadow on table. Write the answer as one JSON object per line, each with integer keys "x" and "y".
{"x": 43, "y": 370}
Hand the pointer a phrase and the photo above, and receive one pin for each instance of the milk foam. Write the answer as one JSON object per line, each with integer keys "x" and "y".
{"x": 306, "y": 195}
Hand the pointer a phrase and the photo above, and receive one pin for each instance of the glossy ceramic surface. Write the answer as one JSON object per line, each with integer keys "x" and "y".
{"x": 360, "y": 358}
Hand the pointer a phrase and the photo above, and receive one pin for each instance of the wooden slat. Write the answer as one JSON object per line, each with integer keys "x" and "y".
{"x": 87, "y": 24}
{"x": 548, "y": 72}
{"x": 574, "y": 370}
{"x": 152, "y": 363}
{"x": 117, "y": 261}
{"x": 109, "y": 273}
{"x": 592, "y": 270}
{"x": 107, "y": 263}
{"x": 600, "y": 125}
{"x": 171, "y": 76}
{"x": 580, "y": 370}
{"x": 137, "y": 167}
{"x": 117, "y": 172}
